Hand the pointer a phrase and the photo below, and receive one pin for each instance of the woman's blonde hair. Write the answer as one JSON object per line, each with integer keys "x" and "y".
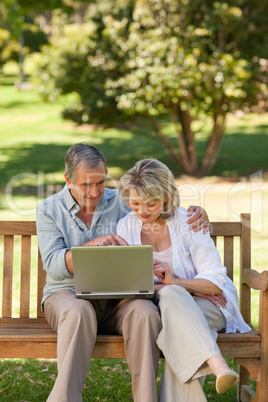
{"x": 151, "y": 179}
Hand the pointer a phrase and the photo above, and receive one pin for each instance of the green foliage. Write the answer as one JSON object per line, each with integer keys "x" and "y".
{"x": 174, "y": 58}
{"x": 9, "y": 48}
{"x": 65, "y": 69}
{"x": 147, "y": 60}
{"x": 23, "y": 18}
{"x": 34, "y": 38}
{"x": 184, "y": 53}
{"x": 4, "y": 37}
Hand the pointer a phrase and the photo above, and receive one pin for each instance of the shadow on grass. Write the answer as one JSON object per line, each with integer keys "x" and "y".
{"x": 243, "y": 153}
{"x": 24, "y": 162}
{"x": 240, "y": 154}
{"x": 29, "y": 160}
{"x": 17, "y": 104}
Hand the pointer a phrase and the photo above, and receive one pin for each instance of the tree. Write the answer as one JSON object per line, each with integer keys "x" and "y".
{"x": 184, "y": 60}
{"x": 4, "y": 37}
{"x": 14, "y": 15}
{"x": 79, "y": 64}
{"x": 18, "y": 18}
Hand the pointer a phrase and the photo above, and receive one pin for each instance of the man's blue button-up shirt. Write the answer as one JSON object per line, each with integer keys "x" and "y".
{"x": 59, "y": 229}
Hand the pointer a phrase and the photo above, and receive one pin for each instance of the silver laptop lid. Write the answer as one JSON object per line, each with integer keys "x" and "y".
{"x": 113, "y": 271}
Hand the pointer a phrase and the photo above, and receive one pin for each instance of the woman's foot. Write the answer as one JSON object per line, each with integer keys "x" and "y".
{"x": 226, "y": 380}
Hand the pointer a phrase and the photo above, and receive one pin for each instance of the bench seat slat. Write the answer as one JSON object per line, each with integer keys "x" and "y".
{"x": 17, "y": 331}
{"x": 48, "y": 350}
{"x": 106, "y": 346}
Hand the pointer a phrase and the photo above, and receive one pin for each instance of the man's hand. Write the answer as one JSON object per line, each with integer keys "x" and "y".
{"x": 109, "y": 240}
{"x": 199, "y": 220}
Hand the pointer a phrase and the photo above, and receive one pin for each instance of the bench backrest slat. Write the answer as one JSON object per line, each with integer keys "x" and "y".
{"x": 7, "y": 275}
{"x": 13, "y": 228}
{"x": 25, "y": 276}
{"x": 228, "y": 259}
{"x": 245, "y": 263}
{"x": 227, "y": 230}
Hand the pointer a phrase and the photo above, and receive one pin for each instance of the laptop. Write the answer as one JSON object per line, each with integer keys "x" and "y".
{"x": 113, "y": 272}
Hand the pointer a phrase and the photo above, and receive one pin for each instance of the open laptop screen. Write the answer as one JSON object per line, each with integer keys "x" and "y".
{"x": 113, "y": 271}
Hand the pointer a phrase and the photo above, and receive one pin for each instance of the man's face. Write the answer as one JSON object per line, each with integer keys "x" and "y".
{"x": 88, "y": 188}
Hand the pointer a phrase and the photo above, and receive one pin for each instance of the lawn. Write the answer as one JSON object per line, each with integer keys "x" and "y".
{"x": 31, "y": 381}
{"x": 34, "y": 140}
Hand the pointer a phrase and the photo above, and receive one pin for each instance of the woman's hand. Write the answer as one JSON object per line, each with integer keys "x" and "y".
{"x": 162, "y": 271}
{"x": 217, "y": 300}
{"x": 158, "y": 286}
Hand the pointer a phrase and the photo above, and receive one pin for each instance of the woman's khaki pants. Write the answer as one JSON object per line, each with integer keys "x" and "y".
{"x": 77, "y": 322}
{"x": 187, "y": 340}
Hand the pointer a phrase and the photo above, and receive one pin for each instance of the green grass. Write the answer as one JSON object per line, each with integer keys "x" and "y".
{"x": 32, "y": 380}
{"x": 34, "y": 140}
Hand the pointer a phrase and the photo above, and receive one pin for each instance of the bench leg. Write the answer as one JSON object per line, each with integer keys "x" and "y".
{"x": 243, "y": 381}
{"x": 262, "y": 385}
{"x": 247, "y": 367}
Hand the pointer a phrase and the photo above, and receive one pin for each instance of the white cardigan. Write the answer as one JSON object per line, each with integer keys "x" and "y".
{"x": 194, "y": 256}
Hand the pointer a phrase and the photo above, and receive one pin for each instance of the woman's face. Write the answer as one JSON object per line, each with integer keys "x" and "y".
{"x": 148, "y": 211}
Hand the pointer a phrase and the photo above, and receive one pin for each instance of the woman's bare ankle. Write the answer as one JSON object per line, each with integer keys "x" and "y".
{"x": 218, "y": 364}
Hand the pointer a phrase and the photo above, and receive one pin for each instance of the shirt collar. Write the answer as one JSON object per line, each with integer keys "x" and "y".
{"x": 72, "y": 205}
{"x": 68, "y": 198}
{"x": 108, "y": 194}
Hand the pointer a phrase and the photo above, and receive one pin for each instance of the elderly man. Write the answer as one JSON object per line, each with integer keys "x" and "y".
{"x": 86, "y": 213}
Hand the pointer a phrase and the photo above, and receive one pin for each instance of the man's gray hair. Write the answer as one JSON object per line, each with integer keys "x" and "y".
{"x": 84, "y": 156}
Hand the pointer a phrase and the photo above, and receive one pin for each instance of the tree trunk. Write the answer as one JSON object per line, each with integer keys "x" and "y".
{"x": 79, "y": 13}
{"x": 179, "y": 156}
{"x": 186, "y": 121}
{"x": 185, "y": 156}
{"x": 165, "y": 141}
{"x": 21, "y": 57}
{"x": 185, "y": 137}
{"x": 214, "y": 144}
{"x": 45, "y": 22}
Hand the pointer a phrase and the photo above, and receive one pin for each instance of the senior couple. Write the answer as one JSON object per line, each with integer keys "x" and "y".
{"x": 194, "y": 298}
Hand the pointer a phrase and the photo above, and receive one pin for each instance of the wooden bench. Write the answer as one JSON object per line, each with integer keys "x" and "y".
{"x": 24, "y": 336}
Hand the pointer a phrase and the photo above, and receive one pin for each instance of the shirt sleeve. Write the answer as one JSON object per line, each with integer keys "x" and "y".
{"x": 206, "y": 259}
{"x": 52, "y": 245}
{"x": 122, "y": 230}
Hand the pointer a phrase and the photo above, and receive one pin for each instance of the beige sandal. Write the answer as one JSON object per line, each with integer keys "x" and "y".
{"x": 226, "y": 380}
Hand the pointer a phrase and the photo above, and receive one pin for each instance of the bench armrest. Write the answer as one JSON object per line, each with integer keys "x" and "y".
{"x": 255, "y": 279}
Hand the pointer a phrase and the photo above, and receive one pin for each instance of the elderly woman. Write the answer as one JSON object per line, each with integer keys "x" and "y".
{"x": 195, "y": 297}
